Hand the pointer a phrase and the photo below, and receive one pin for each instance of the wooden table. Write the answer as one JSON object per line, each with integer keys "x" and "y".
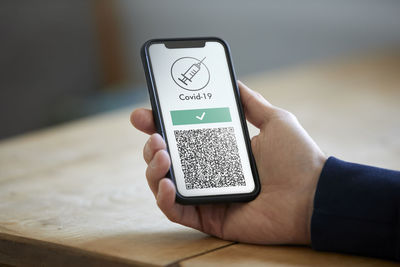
{"x": 76, "y": 194}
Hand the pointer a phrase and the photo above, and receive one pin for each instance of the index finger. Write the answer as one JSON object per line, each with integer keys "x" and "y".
{"x": 142, "y": 119}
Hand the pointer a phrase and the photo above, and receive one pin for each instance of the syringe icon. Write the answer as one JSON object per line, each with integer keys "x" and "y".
{"x": 191, "y": 72}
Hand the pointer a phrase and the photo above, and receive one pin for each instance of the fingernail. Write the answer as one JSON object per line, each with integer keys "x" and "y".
{"x": 148, "y": 147}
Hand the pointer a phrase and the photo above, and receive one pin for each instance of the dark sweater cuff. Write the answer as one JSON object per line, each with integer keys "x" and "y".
{"x": 356, "y": 210}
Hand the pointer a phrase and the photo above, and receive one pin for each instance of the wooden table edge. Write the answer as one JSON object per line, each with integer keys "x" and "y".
{"x": 43, "y": 253}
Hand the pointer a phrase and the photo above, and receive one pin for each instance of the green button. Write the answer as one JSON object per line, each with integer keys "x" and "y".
{"x": 197, "y": 116}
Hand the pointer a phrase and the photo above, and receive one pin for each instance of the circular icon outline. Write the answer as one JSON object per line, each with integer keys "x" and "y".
{"x": 173, "y": 78}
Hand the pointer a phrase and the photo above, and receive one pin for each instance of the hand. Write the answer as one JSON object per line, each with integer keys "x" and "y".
{"x": 289, "y": 164}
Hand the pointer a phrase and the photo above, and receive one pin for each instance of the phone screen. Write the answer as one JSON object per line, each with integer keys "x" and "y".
{"x": 201, "y": 119}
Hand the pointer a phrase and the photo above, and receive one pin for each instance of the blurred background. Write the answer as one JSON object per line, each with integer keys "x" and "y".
{"x": 66, "y": 59}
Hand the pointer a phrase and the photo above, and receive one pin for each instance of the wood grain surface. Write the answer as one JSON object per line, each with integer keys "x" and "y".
{"x": 82, "y": 185}
{"x": 76, "y": 193}
{"x": 280, "y": 256}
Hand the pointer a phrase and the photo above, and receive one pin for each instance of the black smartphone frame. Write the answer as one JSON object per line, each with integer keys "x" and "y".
{"x": 158, "y": 119}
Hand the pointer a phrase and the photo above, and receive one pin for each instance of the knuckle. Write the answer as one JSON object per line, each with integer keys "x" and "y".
{"x": 171, "y": 217}
{"x": 284, "y": 114}
{"x": 292, "y": 116}
{"x": 259, "y": 95}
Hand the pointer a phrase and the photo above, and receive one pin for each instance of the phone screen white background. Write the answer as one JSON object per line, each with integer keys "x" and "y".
{"x": 202, "y": 99}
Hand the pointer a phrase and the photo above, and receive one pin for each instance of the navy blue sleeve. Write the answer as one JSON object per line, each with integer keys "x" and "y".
{"x": 357, "y": 210}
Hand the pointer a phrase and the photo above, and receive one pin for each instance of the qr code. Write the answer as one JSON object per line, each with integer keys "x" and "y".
{"x": 209, "y": 158}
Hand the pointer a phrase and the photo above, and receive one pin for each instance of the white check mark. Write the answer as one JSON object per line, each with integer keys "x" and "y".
{"x": 201, "y": 117}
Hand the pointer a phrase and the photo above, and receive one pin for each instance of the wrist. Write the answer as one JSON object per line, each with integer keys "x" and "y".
{"x": 319, "y": 163}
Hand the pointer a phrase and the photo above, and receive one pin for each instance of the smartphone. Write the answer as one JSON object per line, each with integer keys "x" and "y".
{"x": 197, "y": 110}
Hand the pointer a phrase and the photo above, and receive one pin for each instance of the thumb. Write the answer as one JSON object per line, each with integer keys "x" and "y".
{"x": 257, "y": 109}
